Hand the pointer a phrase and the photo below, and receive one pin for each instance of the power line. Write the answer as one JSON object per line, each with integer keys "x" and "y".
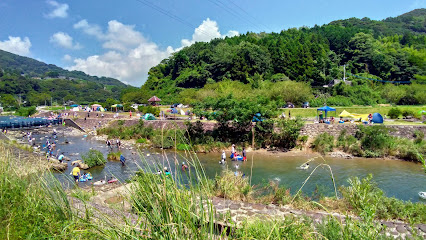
{"x": 221, "y": 5}
{"x": 171, "y": 15}
{"x": 244, "y": 11}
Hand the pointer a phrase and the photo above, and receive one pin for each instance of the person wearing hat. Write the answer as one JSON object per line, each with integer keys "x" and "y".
{"x": 166, "y": 171}
{"x": 184, "y": 166}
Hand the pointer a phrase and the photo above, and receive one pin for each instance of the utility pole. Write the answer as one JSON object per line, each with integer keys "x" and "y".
{"x": 344, "y": 73}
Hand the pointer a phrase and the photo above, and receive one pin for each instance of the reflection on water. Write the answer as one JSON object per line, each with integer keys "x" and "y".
{"x": 399, "y": 179}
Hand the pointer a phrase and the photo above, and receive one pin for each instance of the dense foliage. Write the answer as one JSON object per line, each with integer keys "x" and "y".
{"x": 93, "y": 158}
{"x": 33, "y": 68}
{"x": 392, "y": 50}
{"x": 16, "y": 90}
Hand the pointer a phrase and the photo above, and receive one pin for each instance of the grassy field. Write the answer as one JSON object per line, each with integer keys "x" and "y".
{"x": 312, "y": 112}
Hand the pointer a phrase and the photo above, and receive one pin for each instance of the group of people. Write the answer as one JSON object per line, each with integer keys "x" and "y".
{"x": 234, "y": 155}
{"x": 109, "y": 143}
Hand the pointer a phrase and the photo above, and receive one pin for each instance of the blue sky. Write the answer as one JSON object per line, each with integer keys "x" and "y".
{"x": 124, "y": 39}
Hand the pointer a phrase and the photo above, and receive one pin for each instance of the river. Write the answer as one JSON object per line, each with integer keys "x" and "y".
{"x": 399, "y": 179}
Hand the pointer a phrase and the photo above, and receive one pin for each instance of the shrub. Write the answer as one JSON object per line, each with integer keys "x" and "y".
{"x": 375, "y": 140}
{"x": 142, "y": 140}
{"x": 94, "y": 158}
{"x": 229, "y": 186}
{"x": 26, "y": 111}
{"x": 114, "y": 156}
{"x": 407, "y": 113}
{"x": 418, "y": 136}
{"x": 289, "y": 130}
{"x": 323, "y": 143}
{"x": 120, "y": 122}
{"x": 182, "y": 147}
{"x": 149, "y": 109}
{"x": 394, "y": 113}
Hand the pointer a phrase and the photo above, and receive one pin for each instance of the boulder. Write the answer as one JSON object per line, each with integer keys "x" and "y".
{"x": 66, "y": 159}
{"x": 59, "y": 166}
{"x": 84, "y": 166}
{"x": 76, "y": 162}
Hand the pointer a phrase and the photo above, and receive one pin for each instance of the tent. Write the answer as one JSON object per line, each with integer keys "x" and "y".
{"x": 148, "y": 116}
{"x": 377, "y": 118}
{"x": 116, "y": 106}
{"x": 75, "y": 109}
{"x": 345, "y": 114}
{"x": 174, "y": 111}
{"x": 182, "y": 112}
{"x": 326, "y": 109}
{"x": 95, "y": 107}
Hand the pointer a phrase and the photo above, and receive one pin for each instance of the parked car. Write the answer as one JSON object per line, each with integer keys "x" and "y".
{"x": 305, "y": 105}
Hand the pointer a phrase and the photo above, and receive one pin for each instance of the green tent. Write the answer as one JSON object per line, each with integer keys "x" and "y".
{"x": 149, "y": 116}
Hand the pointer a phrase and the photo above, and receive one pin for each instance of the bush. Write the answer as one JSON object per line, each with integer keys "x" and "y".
{"x": 288, "y": 134}
{"x": 142, "y": 140}
{"x": 183, "y": 147}
{"x": 149, "y": 109}
{"x": 26, "y": 111}
{"x": 323, "y": 143}
{"x": 114, "y": 156}
{"x": 232, "y": 187}
{"x": 375, "y": 140}
{"x": 418, "y": 136}
{"x": 394, "y": 113}
{"x": 407, "y": 113}
{"x": 94, "y": 158}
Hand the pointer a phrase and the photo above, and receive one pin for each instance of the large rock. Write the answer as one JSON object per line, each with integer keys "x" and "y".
{"x": 84, "y": 166}
{"x": 76, "y": 162}
{"x": 66, "y": 158}
{"x": 59, "y": 166}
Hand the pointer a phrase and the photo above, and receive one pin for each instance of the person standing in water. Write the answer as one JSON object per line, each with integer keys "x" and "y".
{"x": 244, "y": 154}
{"x": 118, "y": 143}
{"x": 122, "y": 160}
{"x": 223, "y": 156}
{"x": 76, "y": 172}
{"x": 184, "y": 166}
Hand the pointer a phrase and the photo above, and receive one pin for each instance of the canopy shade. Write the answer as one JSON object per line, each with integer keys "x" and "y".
{"x": 96, "y": 105}
{"x": 326, "y": 109}
{"x": 74, "y": 105}
{"x": 117, "y": 105}
{"x": 154, "y": 99}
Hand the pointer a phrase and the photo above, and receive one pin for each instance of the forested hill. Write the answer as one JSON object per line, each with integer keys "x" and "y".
{"x": 34, "y": 68}
{"x": 391, "y": 50}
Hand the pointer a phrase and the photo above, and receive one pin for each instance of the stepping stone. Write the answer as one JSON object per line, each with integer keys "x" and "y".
{"x": 422, "y": 227}
{"x": 401, "y": 229}
{"x": 389, "y": 224}
{"x": 258, "y": 206}
{"x": 234, "y": 206}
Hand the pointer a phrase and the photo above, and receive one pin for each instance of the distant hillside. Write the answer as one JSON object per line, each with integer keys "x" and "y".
{"x": 413, "y": 22}
{"x": 392, "y": 50}
{"x": 34, "y": 68}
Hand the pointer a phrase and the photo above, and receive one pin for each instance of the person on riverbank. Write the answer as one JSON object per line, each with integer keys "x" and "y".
{"x": 61, "y": 157}
{"x": 108, "y": 143}
{"x": 130, "y": 113}
{"x": 122, "y": 159}
{"x": 76, "y": 172}
{"x": 233, "y": 149}
{"x": 244, "y": 154}
{"x": 118, "y": 142}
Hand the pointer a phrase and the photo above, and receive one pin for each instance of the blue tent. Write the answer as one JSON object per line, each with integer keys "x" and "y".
{"x": 377, "y": 118}
{"x": 174, "y": 111}
{"x": 326, "y": 109}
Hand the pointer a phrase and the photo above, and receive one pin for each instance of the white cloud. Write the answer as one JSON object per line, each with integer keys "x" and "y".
{"x": 67, "y": 58}
{"x": 90, "y": 29}
{"x": 64, "y": 40}
{"x": 129, "y": 54}
{"x": 59, "y": 11}
{"x": 207, "y": 31}
{"x": 16, "y": 45}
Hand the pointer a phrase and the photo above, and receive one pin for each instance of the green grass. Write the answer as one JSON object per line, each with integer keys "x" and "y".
{"x": 312, "y": 112}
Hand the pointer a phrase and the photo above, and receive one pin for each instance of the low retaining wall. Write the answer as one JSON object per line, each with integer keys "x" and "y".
{"x": 312, "y": 130}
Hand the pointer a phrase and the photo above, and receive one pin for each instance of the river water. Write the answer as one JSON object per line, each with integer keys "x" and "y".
{"x": 399, "y": 179}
